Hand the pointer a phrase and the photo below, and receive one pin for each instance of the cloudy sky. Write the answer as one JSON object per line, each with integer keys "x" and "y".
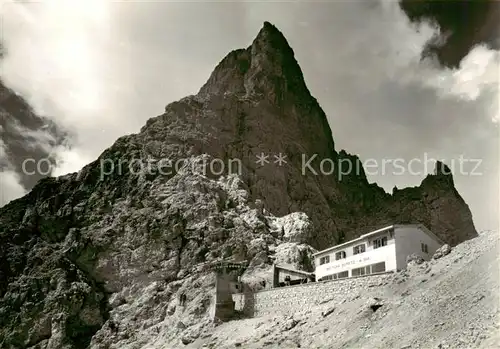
{"x": 101, "y": 69}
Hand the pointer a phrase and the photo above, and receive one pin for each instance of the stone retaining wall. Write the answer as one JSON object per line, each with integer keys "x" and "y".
{"x": 285, "y": 300}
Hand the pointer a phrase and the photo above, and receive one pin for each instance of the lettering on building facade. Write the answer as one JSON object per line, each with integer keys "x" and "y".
{"x": 349, "y": 263}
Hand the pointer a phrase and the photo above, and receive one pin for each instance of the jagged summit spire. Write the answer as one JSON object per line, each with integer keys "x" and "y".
{"x": 267, "y": 67}
{"x": 270, "y": 27}
{"x": 441, "y": 169}
{"x": 269, "y": 34}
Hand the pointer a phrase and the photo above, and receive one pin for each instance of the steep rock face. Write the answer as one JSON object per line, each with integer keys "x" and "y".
{"x": 436, "y": 203}
{"x": 152, "y": 210}
{"x": 256, "y": 102}
{"x": 71, "y": 265}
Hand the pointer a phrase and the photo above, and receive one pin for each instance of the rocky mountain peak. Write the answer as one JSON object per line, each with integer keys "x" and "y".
{"x": 80, "y": 248}
{"x": 266, "y": 68}
{"x": 270, "y": 30}
{"x": 271, "y": 52}
{"x": 441, "y": 169}
{"x": 256, "y": 103}
{"x": 443, "y": 176}
{"x": 274, "y": 65}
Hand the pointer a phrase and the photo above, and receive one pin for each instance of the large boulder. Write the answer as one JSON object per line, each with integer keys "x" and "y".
{"x": 442, "y": 251}
{"x": 415, "y": 259}
{"x": 294, "y": 227}
{"x": 295, "y": 256}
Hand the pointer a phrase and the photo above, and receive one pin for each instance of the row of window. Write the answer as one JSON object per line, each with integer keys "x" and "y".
{"x": 369, "y": 269}
{"x": 377, "y": 243}
{"x": 341, "y": 275}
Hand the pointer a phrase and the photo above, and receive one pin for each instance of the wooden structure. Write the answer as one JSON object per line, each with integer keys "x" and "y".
{"x": 286, "y": 276}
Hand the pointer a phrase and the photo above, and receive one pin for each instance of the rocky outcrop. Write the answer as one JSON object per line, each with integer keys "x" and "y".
{"x": 117, "y": 242}
{"x": 437, "y": 204}
{"x": 442, "y": 251}
{"x": 73, "y": 268}
{"x": 414, "y": 258}
{"x": 295, "y": 227}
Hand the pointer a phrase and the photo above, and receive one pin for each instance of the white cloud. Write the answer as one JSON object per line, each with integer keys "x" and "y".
{"x": 58, "y": 39}
{"x": 478, "y": 74}
{"x": 55, "y": 59}
{"x": 10, "y": 188}
{"x": 69, "y": 160}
